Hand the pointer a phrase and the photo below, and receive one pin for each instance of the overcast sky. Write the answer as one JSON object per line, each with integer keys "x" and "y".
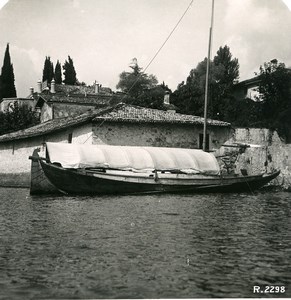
{"x": 103, "y": 36}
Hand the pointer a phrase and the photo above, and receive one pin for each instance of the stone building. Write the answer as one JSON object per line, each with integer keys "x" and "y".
{"x": 247, "y": 89}
{"x": 59, "y": 100}
{"x": 70, "y": 100}
{"x": 121, "y": 124}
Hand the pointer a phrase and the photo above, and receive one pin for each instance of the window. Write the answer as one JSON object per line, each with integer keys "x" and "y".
{"x": 201, "y": 141}
{"x": 70, "y": 137}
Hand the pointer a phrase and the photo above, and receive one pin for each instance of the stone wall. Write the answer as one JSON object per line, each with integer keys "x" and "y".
{"x": 7, "y": 102}
{"x": 14, "y": 155}
{"x": 64, "y": 110}
{"x": 46, "y": 113}
{"x": 267, "y": 152}
{"x": 156, "y": 134}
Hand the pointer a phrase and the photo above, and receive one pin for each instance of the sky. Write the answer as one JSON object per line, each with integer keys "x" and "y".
{"x": 103, "y": 36}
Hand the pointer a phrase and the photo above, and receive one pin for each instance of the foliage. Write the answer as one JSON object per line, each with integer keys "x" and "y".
{"x": 153, "y": 97}
{"x": 16, "y": 118}
{"x": 229, "y": 67}
{"x": 7, "y": 86}
{"x": 244, "y": 113}
{"x": 224, "y": 71}
{"x": 69, "y": 72}
{"x": 48, "y": 70}
{"x": 140, "y": 88}
{"x": 275, "y": 96}
{"x": 58, "y": 73}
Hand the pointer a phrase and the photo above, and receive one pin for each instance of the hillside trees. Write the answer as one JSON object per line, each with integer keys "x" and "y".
{"x": 69, "y": 72}
{"x": 7, "y": 85}
{"x": 224, "y": 72}
{"x": 275, "y": 97}
{"x": 58, "y": 73}
{"x": 17, "y": 117}
{"x": 48, "y": 70}
{"x": 50, "y": 73}
{"x": 141, "y": 88}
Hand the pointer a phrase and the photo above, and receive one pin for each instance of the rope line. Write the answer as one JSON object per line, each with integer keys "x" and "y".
{"x": 162, "y": 46}
{"x": 153, "y": 58}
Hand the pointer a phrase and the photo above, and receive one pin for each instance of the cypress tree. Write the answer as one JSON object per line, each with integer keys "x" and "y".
{"x": 69, "y": 72}
{"x": 58, "y": 73}
{"x": 48, "y": 70}
{"x": 7, "y": 86}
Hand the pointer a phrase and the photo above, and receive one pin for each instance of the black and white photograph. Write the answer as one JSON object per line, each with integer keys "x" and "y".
{"x": 145, "y": 149}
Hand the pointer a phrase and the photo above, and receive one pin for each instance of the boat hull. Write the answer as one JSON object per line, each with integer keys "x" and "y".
{"x": 94, "y": 182}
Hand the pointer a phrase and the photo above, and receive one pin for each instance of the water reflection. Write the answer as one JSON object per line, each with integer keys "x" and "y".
{"x": 143, "y": 246}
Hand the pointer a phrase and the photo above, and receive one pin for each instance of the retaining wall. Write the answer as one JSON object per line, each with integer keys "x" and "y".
{"x": 267, "y": 152}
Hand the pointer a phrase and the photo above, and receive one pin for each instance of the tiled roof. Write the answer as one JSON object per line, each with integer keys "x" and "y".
{"x": 15, "y": 99}
{"x": 119, "y": 113}
{"x": 252, "y": 81}
{"x": 48, "y": 127}
{"x": 81, "y": 89}
{"x": 129, "y": 113}
{"x": 77, "y": 99}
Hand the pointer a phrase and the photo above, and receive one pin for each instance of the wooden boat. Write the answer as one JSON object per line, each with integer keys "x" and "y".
{"x": 103, "y": 169}
{"x": 82, "y": 169}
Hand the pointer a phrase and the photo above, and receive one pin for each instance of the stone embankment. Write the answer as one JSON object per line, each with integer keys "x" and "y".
{"x": 266, "y": 152}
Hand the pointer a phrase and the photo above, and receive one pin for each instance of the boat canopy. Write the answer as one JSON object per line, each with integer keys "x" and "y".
{"x": 132, "y": 158}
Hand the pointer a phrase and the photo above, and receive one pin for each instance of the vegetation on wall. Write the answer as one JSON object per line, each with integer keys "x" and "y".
{"x": 272, "y": 108}
{"x": 275, "y": 97}
{"x": 7, "y": 85}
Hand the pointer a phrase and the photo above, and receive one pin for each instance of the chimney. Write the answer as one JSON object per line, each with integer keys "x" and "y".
{"x": 31, "y": 90}
{"x": 39, "y": 87}
{"x": 53, "y": 87}
{"x": 97, "y": 87}
{"x": 167, "y": 98}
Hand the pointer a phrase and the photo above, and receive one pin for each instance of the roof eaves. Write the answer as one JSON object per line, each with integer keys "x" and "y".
{"x": 161, "y": 121}
{"x": 28, "y": 133}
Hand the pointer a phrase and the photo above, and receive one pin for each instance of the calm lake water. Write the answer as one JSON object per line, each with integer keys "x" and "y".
{"x": 158, "y": 246}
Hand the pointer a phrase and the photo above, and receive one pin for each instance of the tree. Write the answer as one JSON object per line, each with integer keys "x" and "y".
{"x": 7, "y": 86}
{"x": 16, "y": 118}
{"x": 58, "y": 73}
{"x": 136, "y": 83}
{"x": 275, "y": 97}
{"x": 226, "y": 74}
{"x": 153, "y": 97}
{"x": 189, "y": 96}
{"x": 69, "y": 72}
{"x": 224, "y": 71}
{"x": 229, "y": 66}
{"x": 48, "y": 70}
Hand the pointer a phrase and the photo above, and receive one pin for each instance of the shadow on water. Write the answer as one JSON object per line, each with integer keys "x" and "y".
{"x": 150, "y": 246}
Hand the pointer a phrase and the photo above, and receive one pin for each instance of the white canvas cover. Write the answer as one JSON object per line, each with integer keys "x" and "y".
{"x": 132, "y": 158}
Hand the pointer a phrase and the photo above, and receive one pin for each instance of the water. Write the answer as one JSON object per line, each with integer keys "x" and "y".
{"x": 158, "y": 246}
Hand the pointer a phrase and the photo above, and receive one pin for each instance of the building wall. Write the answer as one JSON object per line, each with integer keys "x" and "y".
{"x": 157, "y": 135}
{"x": 267, "y": 147}
{"x": 14, "y": 162}
{"x": 4, "y": 105}
{"x": 253, "y": 93}
{"x": 64, "y": 110}
{"x": 46, "y": 113}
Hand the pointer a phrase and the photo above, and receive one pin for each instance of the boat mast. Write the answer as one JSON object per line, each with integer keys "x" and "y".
{"x": 207, "y": 79}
